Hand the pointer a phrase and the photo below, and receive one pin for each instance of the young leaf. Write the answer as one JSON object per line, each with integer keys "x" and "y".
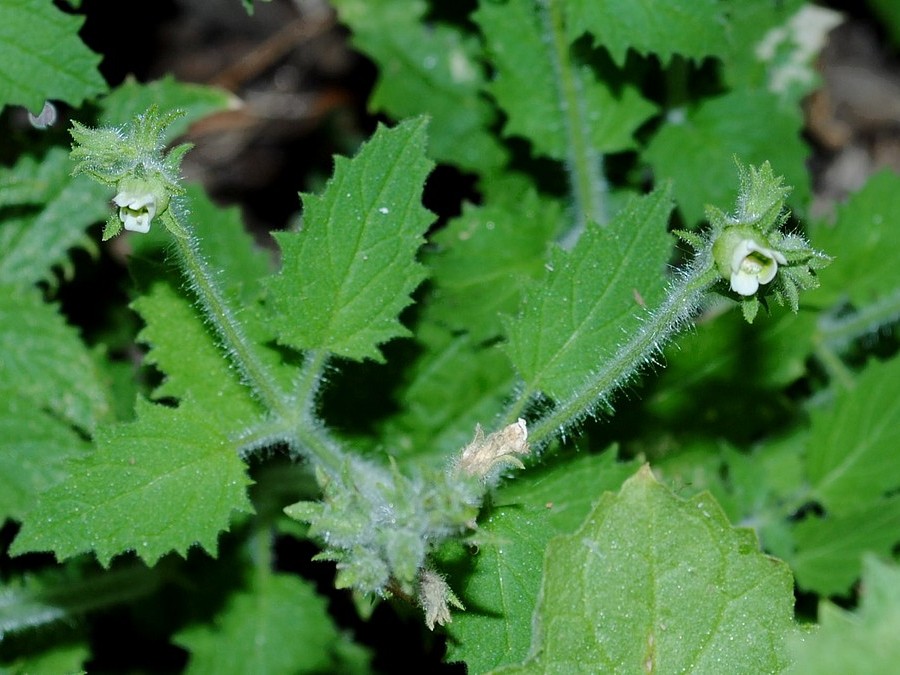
{"x": 699, "y": 149}
{"x": 851, "y": 460}
{"x": 45, "y": 361}
{"x": 280, "y": 625}
{"x": 591, "y": 297}
{"x": 499, "y": 583}
{"x": 653, "y": 583}
{"x": 60, "y": 208}
{"x": 864, "y": 641}
{"x": 165, "y": 482}
{"x": 44, "y": 57}
{"x": 692, "y": 28}
{"x": 349, "y": 272}
{"x": 431, "y": 68}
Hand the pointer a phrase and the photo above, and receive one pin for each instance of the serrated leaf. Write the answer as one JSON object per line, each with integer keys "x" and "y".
{"x": 499, "y": 583}
{"x": 591, "y": 297}
{"x": 852, "y": 453}
{"x": 864, "y": 641}
{"x": 133, "y": 98}
{"x": 280, "y": 625}
{"x": 483, "y": 260}
{"x": 829, "y": 549}
{"x": 35, "y": 448}
{"x": 550, "y": 98}
{"x": 654, "y": 583}
{"x": 33, "y": 240}
{"x": 44, "y": 57}
{"x": 167, "y": 481}
{"x": 428, "y": 67}
{"x": 692, "y": 28}
{"x": 697, "y": 150}
{"x": 45, "y": 361}
{"x": 349, "y": 272}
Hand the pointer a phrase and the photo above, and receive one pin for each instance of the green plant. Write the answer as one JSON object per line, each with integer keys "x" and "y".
{"x": 560, "y": 288}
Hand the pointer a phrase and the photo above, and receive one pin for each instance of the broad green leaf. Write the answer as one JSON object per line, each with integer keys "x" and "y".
{"x": 167, "y": 481}
{"x": 35, "y": 447}
{"x": 551, "y": 98}
{"x": 861, "y": 239}
{"x": 280, "y": 625}
{"x": 692, "y": 28}
{"x": 499, "y": 583}
{"x": 864, "y": 641}
{"x": 43, "y": 56}
{"x": 453, "y": 385}
{"x": 698, "y": 147}
{"x": 348, "y": 273}
{"x": 65, "y": 658}
{"x": 829, "y": 549}
{"x": 45, "y": 361}
{"x": 133, "y": 98}
{"x": 51, "y": 212}
{"x": 483, "y": 260}
{"x": 591, "y": 297}
{"x": 852, "y": 455}
{"x": 428, "y": 67}
{"x": 654, "y": 583}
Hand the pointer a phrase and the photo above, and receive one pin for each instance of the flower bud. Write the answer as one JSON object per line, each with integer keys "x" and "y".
{"x": 745, "y": 258}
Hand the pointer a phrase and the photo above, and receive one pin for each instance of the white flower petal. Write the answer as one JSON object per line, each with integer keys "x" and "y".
{"x": 743, "y": 283}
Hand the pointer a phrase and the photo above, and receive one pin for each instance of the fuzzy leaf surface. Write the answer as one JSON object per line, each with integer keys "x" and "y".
{"x": 698, "y": 151}
{"x": 500, "y": 583}
{"x": 852, "y": 454}
{"x": 864, "y": 641}
{"x": 44, "y": 57}
{"x": 45, "y": 361}
{"x": 428, "y": 67}
{"x": 350, "y": 271}
{"x": 693, "y": 28}
{"x": 167, "y": 481}
{"x": 550, "y": 98}
{"x": 590, "y": 298}
{"x": 49, "y": 212}
{"x": 280, "y": 625}
{"x": 653, "y": 582}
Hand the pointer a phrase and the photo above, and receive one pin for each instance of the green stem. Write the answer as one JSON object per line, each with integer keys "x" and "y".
{"x": 839, "y": 332}
{"x": 224, "y": 321}
{"x": 682, "y": 300}
{"x": 583, "y": 163}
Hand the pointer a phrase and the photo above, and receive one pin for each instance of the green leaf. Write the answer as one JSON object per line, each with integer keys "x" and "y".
{"x": 591, "y": 297}
{"x": 349, "y": 272}
{"x": 280, "y": 625}
{"x": 428, "y": 67}
{"x": 46, "y": 362}
{"x": 852, "y": 455}
{"x": 549, "y": 97}
{"x": 165, "y": 482}
{"x": 499, "y": 583}
{"x": 829, "y": 549}
{"x": 654, "y": 583}
{"x": 35, "y": 448}
{"x": 65, "y": 658}
{"x": 693, "y": 28}
{"x": 699, "y": 145}
{"x": 864, "y": 641}
{"x": 60, "y": 208}
{"x": 43, "y": 56}
{"x": 133, "y": 98}
{"x": 483, "y": 260}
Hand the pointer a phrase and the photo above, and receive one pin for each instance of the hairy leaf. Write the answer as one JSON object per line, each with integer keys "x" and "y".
{"x": 654, "y": 583}
{"x": 167, "y": 481}
{"x": 43, "y": 57}
{"x": 349, "y": 272}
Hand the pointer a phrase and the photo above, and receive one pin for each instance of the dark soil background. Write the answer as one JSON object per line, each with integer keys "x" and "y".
{"x": 300, "y": 97}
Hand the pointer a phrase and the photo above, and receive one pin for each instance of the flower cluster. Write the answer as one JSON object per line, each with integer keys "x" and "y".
{"x": 134, "y": 160}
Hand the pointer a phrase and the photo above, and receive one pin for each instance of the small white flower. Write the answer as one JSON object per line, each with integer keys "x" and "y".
{"x": 136, "y": 209}
{"x": 486, "y": 453}
{"x": 752, "y": 265}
